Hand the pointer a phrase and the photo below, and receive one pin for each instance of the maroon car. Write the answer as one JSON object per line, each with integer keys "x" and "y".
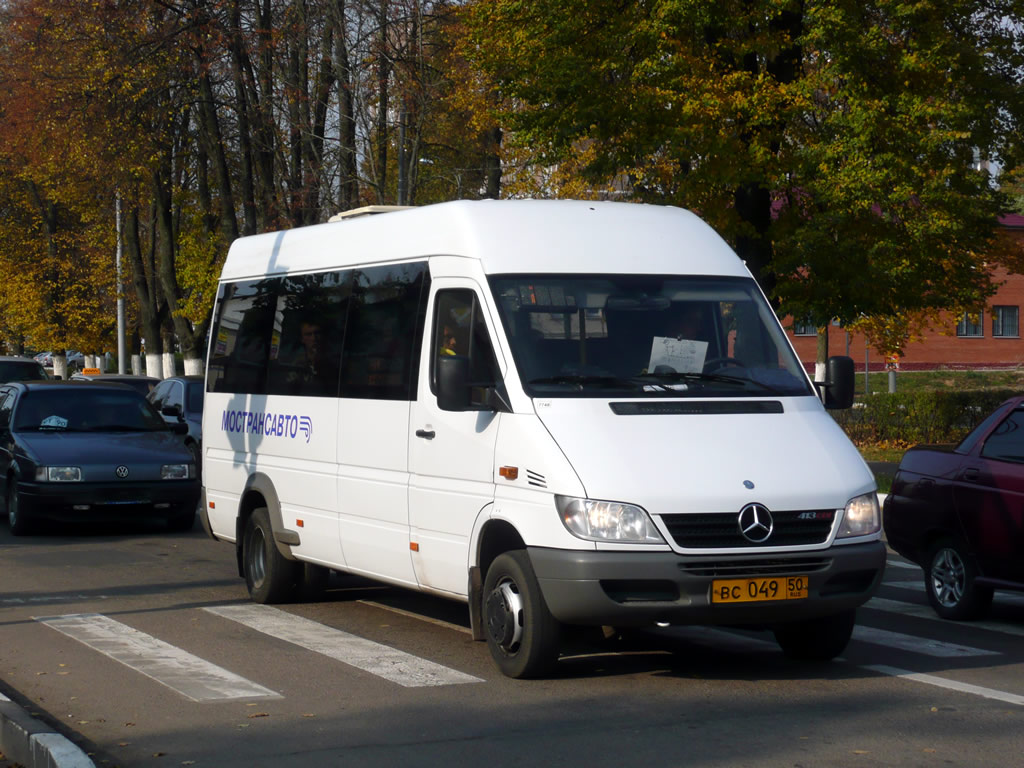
{"x": 958, "y": 512}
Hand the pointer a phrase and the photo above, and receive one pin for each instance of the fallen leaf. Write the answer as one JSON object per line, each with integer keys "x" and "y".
{"x": 861, "y": 752}
{"x": 159, "y": 754}
{"x": 259, "y": 714}
{"x": 243, "y": 725}
{"x": 83, "y": 722}
{"x": 188, "y": 762}
{"x": 128, "y": 725}
{"x": 123, "y": 743}
{"x": 308, "y": 714}
{"x": 929, "y": 749}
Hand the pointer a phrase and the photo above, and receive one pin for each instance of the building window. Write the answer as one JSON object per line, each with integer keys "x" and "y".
{"x": 804, "y": 328}
{"x": 971, "y": 325}
{"x": 1005, "y": 321}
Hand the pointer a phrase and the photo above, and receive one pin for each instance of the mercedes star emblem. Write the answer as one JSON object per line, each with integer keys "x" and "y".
{"x": 756, "y": 523}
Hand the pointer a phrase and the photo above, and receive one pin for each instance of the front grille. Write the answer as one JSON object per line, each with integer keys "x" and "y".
{"x": 721, "y": 530}
{"x": 772, "y": 567}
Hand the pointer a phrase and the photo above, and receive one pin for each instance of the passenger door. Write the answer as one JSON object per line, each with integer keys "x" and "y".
{"x": 989, "y": 496}
{"x": 6, "y": 441}
{"x": 451, "y": 453}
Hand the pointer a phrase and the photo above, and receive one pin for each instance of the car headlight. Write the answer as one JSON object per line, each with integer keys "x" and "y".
{"x": 58, "y": 474}
{"x": 607, "y": 521}
{"x": 861, "y": 516}
{"x": 177, "y": 471}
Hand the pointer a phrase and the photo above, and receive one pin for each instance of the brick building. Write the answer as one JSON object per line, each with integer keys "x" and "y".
{"x": 954, "y": 342}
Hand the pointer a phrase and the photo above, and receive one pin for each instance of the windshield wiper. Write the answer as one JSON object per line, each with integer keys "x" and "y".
{"x": 676, "y": 376}
{"x": 581, "y": 381}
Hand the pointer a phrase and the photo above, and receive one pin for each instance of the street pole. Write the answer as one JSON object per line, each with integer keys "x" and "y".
{"x": 121, "y": 351}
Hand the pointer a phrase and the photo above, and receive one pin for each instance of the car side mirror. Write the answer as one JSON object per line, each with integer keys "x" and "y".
{"x": 837, "y": 389}
{"x": 453, "y": 393}
{"x": 173, "y": 411}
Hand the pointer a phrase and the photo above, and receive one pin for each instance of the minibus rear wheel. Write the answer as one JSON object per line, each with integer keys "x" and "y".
{"x": 270, "y": 577}
{"x": 818, "y": 639}
{"x": 522, "y": 635}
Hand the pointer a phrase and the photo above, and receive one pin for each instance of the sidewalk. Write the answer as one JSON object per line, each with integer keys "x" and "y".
{"x": 29, "y": 742}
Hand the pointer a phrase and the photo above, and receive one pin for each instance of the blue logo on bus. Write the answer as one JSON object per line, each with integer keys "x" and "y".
{"x": 267, "y": 424}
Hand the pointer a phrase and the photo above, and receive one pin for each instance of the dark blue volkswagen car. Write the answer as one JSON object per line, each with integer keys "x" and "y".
{"x": 73, "y": 451}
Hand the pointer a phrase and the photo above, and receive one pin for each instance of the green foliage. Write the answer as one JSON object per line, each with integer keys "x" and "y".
{"x": 904, "y": 419}
{"x": 831, "y": 143}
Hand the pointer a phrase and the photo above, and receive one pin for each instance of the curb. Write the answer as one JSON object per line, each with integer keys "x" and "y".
{"x": 31, "y": 743}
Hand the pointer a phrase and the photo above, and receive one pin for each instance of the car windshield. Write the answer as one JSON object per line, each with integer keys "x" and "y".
{"x": 85, "y": 409}
{"x": 645, "y": 336}
{"x": 21, "y": 370}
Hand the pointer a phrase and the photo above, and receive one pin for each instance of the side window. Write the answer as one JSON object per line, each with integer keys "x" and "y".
{"x": 6, "y": 401}
{"x": 242, "y": 336}
{"x": 309, "y": 326}
{"x": 459, "y": 329}
{"x": 175, "y": 395}
{"x": 1006, "y": 443}
{"x": 381, "y": 354}
{"x": 159, "y": 394}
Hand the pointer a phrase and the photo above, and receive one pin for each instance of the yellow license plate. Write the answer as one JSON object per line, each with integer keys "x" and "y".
{"x": 755, "y": 590}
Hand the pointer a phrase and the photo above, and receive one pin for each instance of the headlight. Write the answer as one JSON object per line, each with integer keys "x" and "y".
{"x": 58, "y": 474}
{"x": 861, "y": 516}
{"x": 177, "y": 471}
{"x": 607, "y": 521}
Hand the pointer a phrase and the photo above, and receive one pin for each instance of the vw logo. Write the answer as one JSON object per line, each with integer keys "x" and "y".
{"x": 121, "y": 471}
{"x": 756, "y": 523}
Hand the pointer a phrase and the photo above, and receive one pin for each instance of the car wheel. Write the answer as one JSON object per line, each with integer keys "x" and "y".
{"x": 16, "y": 516}
{"x": 270, "y": 577}
{"x": 522, "y": 635}
{"x": 183, "y": 519}
{"x": 819, "y": 639}
{"x": 949, "y": 580}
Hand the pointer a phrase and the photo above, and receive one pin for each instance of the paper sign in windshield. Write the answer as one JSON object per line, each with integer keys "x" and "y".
{"x": 681, "y": 355}
{"x": 55, "y": 422}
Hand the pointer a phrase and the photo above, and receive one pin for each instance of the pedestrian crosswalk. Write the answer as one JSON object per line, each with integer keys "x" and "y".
{"x": 199, "y": 680}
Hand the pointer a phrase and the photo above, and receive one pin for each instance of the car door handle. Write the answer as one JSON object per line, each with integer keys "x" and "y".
{"x": 426, "y": 434}
{"x": 970, "y": 474}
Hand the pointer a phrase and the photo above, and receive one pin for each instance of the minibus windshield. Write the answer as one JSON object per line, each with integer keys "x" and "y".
{"x": 645, "y": 336}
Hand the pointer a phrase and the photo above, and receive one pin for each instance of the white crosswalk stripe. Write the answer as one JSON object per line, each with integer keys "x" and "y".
{"x": 381, "y": 660}
{"x": 179, "y": 670}
{"x": 916, "y": 644}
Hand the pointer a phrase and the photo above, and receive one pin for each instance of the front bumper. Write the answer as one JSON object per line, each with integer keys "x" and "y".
{"x": 107, "y": 501}
{"x": 640, "y": 589}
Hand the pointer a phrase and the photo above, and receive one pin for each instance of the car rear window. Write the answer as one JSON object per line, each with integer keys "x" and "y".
{"x": 18, "y": 370}
{"x": 85, "y": 409}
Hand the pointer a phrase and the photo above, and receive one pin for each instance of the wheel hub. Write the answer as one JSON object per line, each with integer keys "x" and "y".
{"x": 948, "y": 578}
{"x": 504, "y": 614}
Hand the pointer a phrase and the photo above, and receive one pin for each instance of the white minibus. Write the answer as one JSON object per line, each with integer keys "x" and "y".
{"x": 562, "y": 413}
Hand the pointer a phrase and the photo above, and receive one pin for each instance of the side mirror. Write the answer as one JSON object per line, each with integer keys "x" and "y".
{"x": 838, "y": 384}
{"x": 453, "y": 383}
{"x": 174, "y": 411}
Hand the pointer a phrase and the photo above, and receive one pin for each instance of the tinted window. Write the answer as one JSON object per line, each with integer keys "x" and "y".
{"x": 1006, "y": 443}
{"x": 243, "y": 336}
{"x": 381, "y": 354}
{"x": 21, "y": 370}
{"x": 87, "y": 409}
{"x": 159, "y": 394}
{"x": 194, "y": 396}
{"x": 308, "y": 330}
{"x": 6, "y": 400}
{"x": 175, "y": 395}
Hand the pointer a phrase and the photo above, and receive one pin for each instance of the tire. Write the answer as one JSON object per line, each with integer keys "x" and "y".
{"x": 16, "y": 516}
{"x": 270, "y": 577}
{"x": 949, "y": 580}
{"x": 819, "y": 639}
{"x": 182, "y": 520}
{"x": 522, "y": 635}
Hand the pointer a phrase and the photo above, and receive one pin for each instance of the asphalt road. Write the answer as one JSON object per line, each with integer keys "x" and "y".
{"x": 142, "y": 647}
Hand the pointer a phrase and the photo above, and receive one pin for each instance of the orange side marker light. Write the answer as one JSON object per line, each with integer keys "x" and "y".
{"x": 509, "y": 473}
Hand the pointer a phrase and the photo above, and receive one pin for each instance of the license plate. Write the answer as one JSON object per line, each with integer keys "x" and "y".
{"x": 756, "y": 590}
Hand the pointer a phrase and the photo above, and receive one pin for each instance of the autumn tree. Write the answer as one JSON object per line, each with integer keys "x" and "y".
{"x": 830, "y": 142}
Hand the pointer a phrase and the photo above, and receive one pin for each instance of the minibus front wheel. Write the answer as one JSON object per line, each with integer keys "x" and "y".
{"x": 522, "y": 635}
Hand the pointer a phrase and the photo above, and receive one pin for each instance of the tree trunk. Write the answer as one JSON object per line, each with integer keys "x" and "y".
{"x": 348, "y": 171}
{"x": 822, "y": 354}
